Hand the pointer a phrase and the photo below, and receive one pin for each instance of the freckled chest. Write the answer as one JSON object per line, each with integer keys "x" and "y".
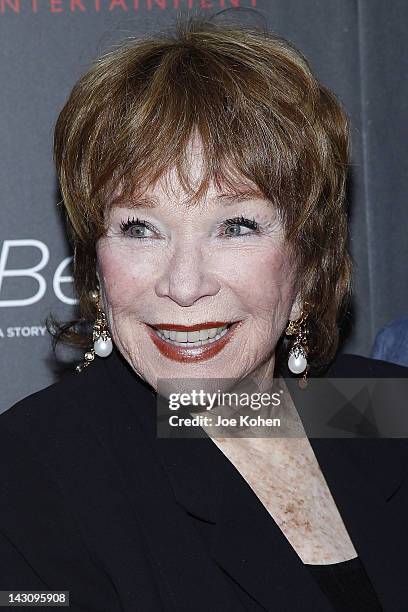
{"x": 286, "y": 477}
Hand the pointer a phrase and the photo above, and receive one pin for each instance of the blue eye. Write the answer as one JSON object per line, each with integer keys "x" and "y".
{"x": 236, "y": 222}
{"x": 132, "y": 227}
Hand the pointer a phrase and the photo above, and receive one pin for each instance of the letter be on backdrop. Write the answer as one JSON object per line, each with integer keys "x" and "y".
{"x": 33, "y": 272}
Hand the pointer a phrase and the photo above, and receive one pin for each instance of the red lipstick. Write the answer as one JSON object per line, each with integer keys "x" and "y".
{"x": 196, "y": 353}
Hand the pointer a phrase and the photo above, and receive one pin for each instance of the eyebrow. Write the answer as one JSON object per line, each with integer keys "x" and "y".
{"x": 227, "y": 199}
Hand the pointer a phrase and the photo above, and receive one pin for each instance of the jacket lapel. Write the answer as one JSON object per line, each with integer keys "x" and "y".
{"x": 187, "y": 577}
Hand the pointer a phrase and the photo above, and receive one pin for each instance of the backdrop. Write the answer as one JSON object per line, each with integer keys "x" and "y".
{"x": 358, "y": 48}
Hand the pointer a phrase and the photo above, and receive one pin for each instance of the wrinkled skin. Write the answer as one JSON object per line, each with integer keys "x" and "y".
{"x": 188, "y": 270}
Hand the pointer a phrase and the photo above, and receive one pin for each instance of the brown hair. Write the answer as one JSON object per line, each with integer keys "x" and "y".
{"x": 261, "y": 114}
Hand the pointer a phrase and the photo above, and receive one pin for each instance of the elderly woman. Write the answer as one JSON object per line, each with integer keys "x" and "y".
{"x": 203, "y": 175}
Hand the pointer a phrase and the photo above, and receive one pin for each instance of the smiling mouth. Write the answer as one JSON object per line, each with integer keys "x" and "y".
{"x": 193, "y": 336}
{"x": 194, "y": 345}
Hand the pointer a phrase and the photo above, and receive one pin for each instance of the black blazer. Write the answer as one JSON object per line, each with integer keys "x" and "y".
{"x": 94, "y": 503}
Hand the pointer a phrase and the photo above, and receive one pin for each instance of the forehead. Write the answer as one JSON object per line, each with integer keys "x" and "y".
{"x": 168, "y": 190}
{"x": 215, "y": 199}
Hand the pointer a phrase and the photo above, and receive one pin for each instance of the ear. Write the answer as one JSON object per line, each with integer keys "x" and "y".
{"x": 296, "y": 310}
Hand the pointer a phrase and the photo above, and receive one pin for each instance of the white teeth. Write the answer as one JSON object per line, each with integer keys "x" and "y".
{"x": 192, "y": 339}
{"x": 181, "y": 336}
{"x": 193, "y": 336}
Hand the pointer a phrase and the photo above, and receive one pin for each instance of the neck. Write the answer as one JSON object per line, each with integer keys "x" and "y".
{"x": 264, "y": 375}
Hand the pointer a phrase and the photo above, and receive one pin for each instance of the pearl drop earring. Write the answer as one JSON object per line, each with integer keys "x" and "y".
{"x": 297, "y": 361}
{"x": 102, "y": 341}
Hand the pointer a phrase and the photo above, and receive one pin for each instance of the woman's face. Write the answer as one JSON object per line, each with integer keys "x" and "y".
{"x": 177, "y": 267}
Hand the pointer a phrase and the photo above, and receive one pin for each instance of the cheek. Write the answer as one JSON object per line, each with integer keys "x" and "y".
{"x": 124, "y": 277}
{"x": 263, "y": 277}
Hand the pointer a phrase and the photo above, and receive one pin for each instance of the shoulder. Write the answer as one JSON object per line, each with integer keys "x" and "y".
{"x": 47, "y": 440}
{"x": 45, "y": 446}
{"x": 60, "y": 406}
{"x": 31, "y": 499}
{"x": 356, "y": 366}
{"x": 72, "y": 414}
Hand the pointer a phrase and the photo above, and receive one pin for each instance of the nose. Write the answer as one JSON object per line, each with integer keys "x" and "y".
{"x": 187, "y": 276}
